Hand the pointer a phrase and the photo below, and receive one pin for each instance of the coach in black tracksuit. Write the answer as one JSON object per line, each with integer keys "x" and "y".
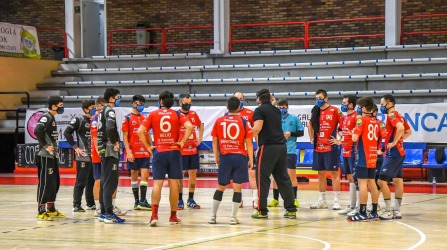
{"x": 271, "y": 156}
{"x": 46, "y": 159}
{"x": 109, "y": 150}
{"x": 84, "y": 169}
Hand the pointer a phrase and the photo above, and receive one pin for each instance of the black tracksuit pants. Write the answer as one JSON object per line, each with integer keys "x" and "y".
{"x": 109, "y": 183}
{"x": 49, "y": 179}
{"x": 272, "y": 160}
{"x": 84, "y": 180}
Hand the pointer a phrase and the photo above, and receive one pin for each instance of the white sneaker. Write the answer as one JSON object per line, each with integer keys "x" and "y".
{"x": 346, "y": 210}
{"x": 118, "y": 211}
{"x": 233, "y": 221}
{"x": 320, "y": 204}
{"x": 212, "y": 220}
{"x": 96, "y": 213}
{"x": 255, "y": 203}
{"x": 397, "y": 215}
{"x": 353, "y": 212}
{"x": 387, "y": 215}
{"x": 336, "y": 205}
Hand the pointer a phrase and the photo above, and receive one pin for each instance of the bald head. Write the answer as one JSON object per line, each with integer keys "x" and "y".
{"x": 239, "y": 95}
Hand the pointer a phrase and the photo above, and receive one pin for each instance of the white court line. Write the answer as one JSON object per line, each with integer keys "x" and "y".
{"x": 206, "y": 239}
{"x": 326, "y": 244}
{"x": 421, "y": 234}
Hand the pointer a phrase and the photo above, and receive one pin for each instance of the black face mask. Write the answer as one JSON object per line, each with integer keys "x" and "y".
{"x": 60, "y": 110}
{"x": 186, "y": 106}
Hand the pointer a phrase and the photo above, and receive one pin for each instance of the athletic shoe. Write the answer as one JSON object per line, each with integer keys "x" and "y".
{"x": 296, "y": 203}
{"x": 101, "y": 217}
{"x": 92, "y": 207}
{"x": 347, "y": 210}
{"x": 336, "y": 205}
{"x": 255, "y": 204}
{"x": 258, "y": 215}
{"x": 136, "y": 205}
{"x": 78, "y": 209}
{"x": 212, "y": 220}
{"x": 56, "y": 214}
{"x": 118, "y": 211}
{"x": 113, "y": 219}
{"x": 397, "y": 215}
{"x": 180, "y": 205}
{"x": 97, "y": 213}
{"x": 387, "y": 215}
{"x": 242, "y": 204}
{"x": 273, "y": 203}
{"x": 144, "y": 205}
{"x": 373, "y": 217}
{"x": 353, "y": 212}
{"x": 192, "y": 204}
{"x": 320, "y": 204}
{"x": 44, "y": 217}
{"x": 358, "y": 217}
{"x": 234, "y": 221}
{"x": 154, "y": 221}
{"x": 290, "y": 215}
{"x": 174, "y": 220}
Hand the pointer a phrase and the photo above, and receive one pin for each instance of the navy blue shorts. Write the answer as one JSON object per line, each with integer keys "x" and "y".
{"x": 190, "y": 162}
{"x": 348, "y": 164}
{"x": 379, "y": 164}
{"x": 365, "y": 173}
{"x": 232, "y": 167}
{"x": 392, "y": 166}
{"x": 291, "y": 161}
{"x": 139, "y": 163}
{"x": 327, "y": 161}
{"x": 168, "y": 162}
{"x": 97, "y": 171}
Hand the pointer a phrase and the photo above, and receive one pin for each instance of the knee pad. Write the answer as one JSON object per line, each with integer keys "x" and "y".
{"x": 143, "y": 183}
{"x": 384, "y": 178}
{"x": 237, "y": 197}
{"x": 134, "y": 184}
{"x": 218, "y": 195}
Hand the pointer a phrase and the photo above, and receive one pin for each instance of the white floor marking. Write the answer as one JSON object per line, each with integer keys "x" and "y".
{"x": 421, "y": 234}
{"x": 326, "y": 244}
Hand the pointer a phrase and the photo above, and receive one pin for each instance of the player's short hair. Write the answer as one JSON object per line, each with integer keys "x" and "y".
{"x": 233, "y": 104}
{"x": 351, "y": 99}
{"x": 87, "y": 103}
{"x": 110, "y": 92}
{"x": 139, "y": 98}
{"x": 100, "y": 100}
{"x": 321, "y": 91}
{"x": 283, "y": 102}
{"x": 389, "y": 98}
{"x": 263, "y": 95}
{"x": 185, "y": 95}
{"x": 54, "y": 100}
{"x": 168, "y": 98}
{"x": 374, "y": 109}
{"x": 366, "y": 102}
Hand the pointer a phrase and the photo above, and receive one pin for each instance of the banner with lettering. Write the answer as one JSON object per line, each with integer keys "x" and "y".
{"x": 19, "y": 41}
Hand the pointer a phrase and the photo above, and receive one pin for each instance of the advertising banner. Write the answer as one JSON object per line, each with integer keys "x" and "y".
{"x": 19, "y": 41}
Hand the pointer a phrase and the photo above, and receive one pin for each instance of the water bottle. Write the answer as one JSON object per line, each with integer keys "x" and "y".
{"x": 434, "y": 184}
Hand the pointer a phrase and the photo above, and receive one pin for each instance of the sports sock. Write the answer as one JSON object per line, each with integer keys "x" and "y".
{"x": 180, "y": 196}
{"x": 41, "y": 208}
{"x": 134, "y": 185}
{"x": 352, "y": 194}
{"x": 217, "y": 198}
{"x": 190, "y": 195}
{"x": 254, "y": 194}
{"x": 322, "y": 196}
{"x": 173, "y": 214}
{"x": 397, "y": 204}
{"x": 51, "y": 207}
{"x": 362, "y": 208}
{"x": 336, "y": 196}
{"x": 154, "y": 209}
{"x": 387, "y": 204}
{"x": 237, "y": 198}
{"x": 295, "y": 191}
{"x": 374, "y": 210}
{"x": 113, "y": 202}
{"x": 275, "y": 194}
{"x": 143, "y": 189}
{"x": 357, "y": 197}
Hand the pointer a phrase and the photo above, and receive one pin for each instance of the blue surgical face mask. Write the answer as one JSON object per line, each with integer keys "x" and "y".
{"x": 383, "y": 110}
{"x": 344, "y": 108}
{"x": 92, "y": 111}
{"x": 320, "y": 102}
{"x": 241, "y": 103}
{"x": 186, "y": 107}
{"x": 60, "y": 110}
{"x": 140, "y": 108}
{"x": 359, "y": 111}
{"x": 283, "y": 111}
{"x": 117, "y": 102}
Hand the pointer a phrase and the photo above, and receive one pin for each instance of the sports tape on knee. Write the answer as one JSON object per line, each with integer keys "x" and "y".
{"x": 134, "y": 184}
{"x": 143, "y": 183}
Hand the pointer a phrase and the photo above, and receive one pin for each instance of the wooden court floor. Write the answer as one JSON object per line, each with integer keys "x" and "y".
{"x": 423, "y": 225}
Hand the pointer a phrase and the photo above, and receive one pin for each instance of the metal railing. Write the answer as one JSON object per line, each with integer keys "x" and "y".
{"x": 404, "y": 33}
{"x": 54, "y": 30}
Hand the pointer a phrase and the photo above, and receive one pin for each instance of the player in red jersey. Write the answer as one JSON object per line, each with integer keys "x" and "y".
{"x": 190, "y": 153}
{"x": 233, "y": 151}
{"x": 348, "y": 105}
{"x": 324, "y": 122}
{"x": 247, "y": 114}
{"x": 366, "y": 135}
{"x": 165, "y": 124}
{"x": 398, "y": 130}
{"x": 138, "y": 158}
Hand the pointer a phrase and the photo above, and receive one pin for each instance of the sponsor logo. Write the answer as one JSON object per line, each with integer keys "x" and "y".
{"x": 43, "y": 119}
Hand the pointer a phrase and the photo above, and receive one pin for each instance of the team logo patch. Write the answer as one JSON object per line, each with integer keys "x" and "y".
{"x": 134, "y": 123}
{"x": 112, "y": 114}
{"x": 359, "y": 122}
{"x": 43, "y": 119}
{"x": 94, "y": 124}
{"x": 392, "y": 115}
{"x": 87, "y": 125}
{"x": 382, "y": 126}
{"x": 73, "y": 121}
{"x": 359, "y": 117}
{"x": 339, "y": 112}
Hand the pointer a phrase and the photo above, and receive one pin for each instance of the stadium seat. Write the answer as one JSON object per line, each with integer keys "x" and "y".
{"x": 413, "y": 158}
{"x": 308, "y": 158}
{"x": 431, "y": 161}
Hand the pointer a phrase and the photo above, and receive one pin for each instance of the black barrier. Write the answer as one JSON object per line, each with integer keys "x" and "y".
{"x": 26, "y": 156}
